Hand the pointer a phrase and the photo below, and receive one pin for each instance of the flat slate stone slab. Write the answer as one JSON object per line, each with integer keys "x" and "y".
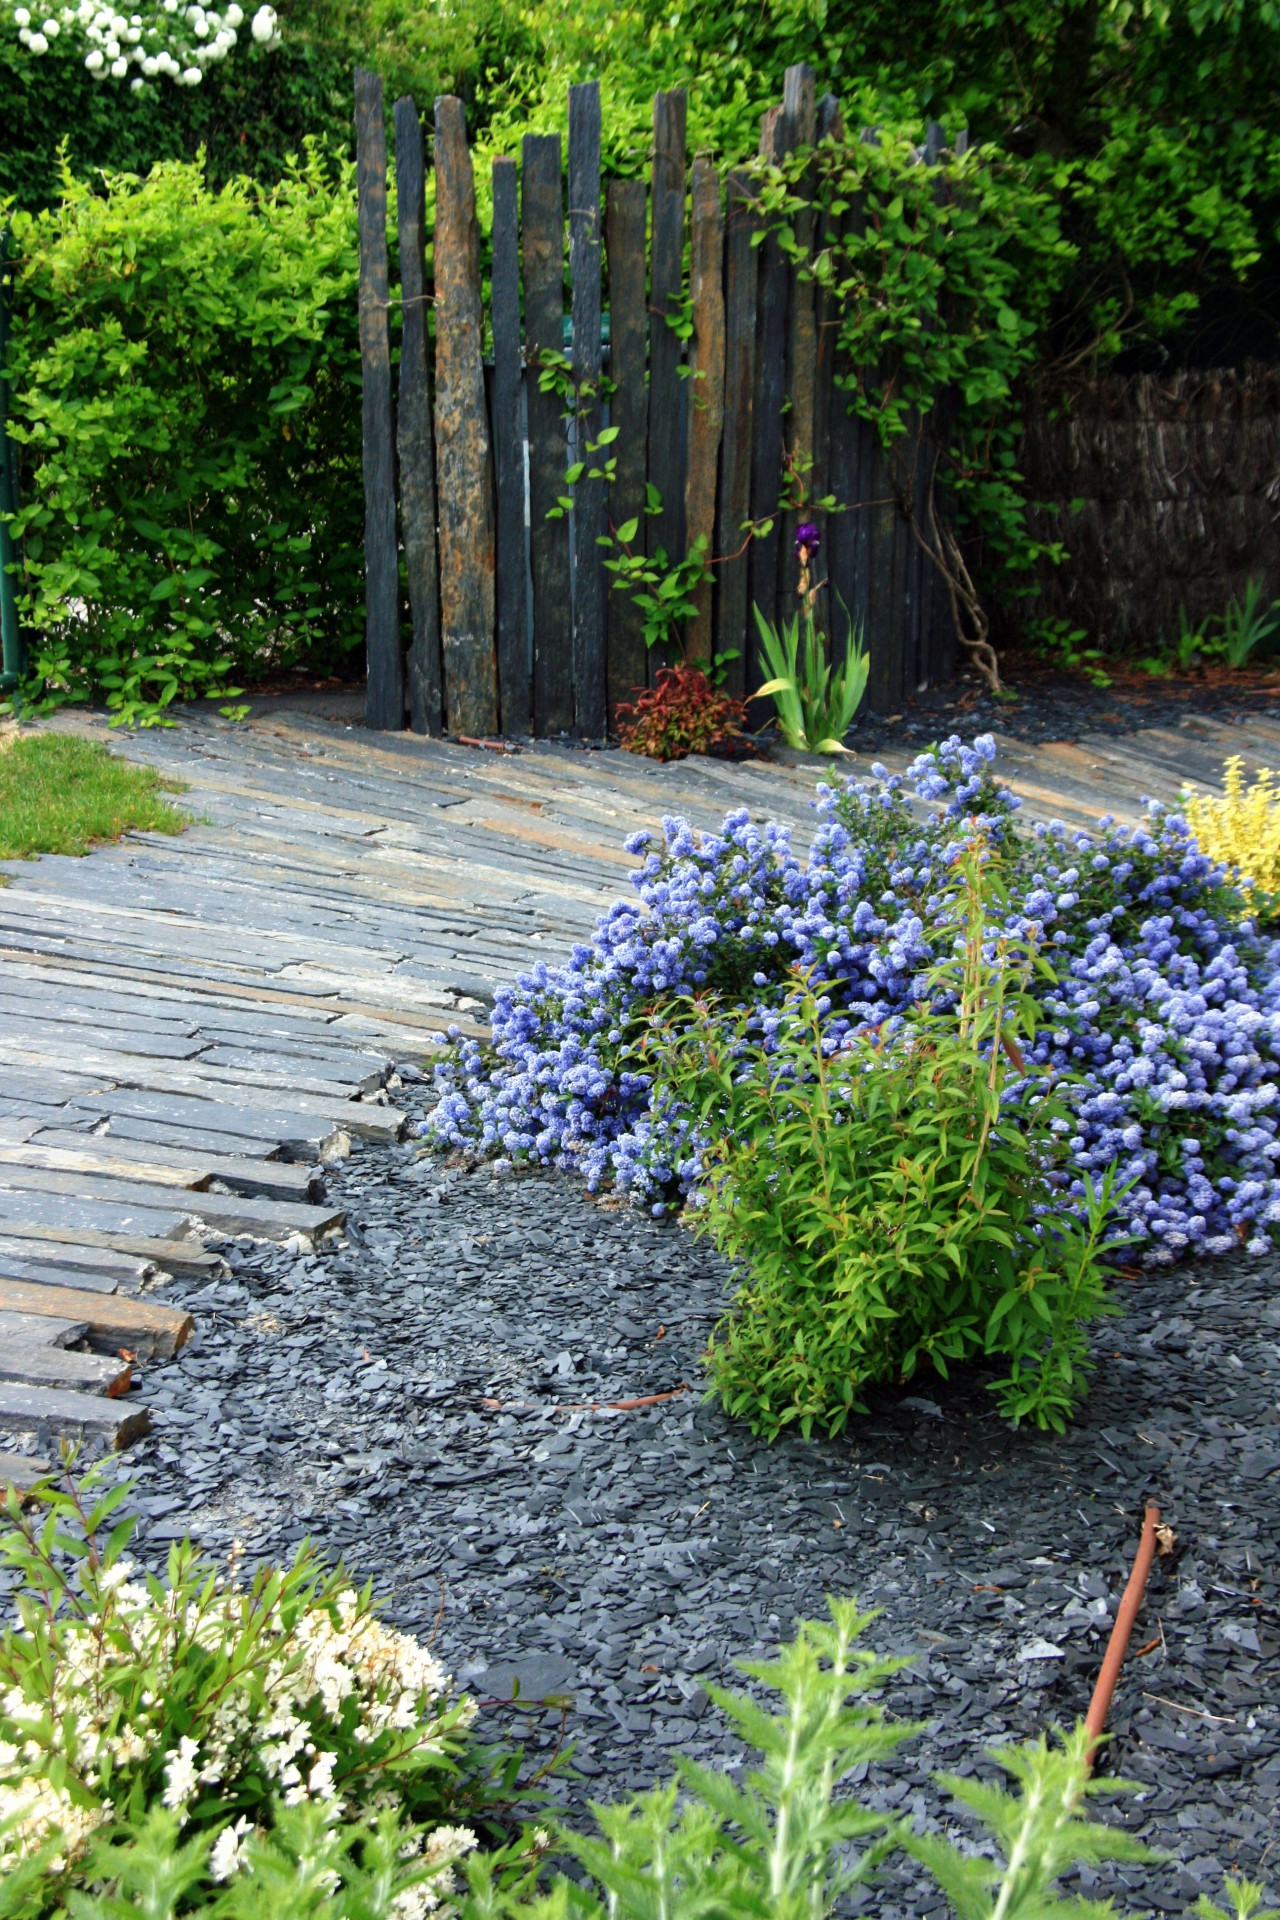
{"x": 122, "y": 1159}
{"x": 168, "y": 1207}
{"x": 41, "y": 1330}
{"x": 27, "y": 1409}
{"x": 22, "y": 1471}
{"x": 113, "y": 1320}
{"x": 47, "y": 1366}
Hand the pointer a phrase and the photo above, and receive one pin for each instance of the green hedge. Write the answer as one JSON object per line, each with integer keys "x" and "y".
{"x": 185, "y": 391}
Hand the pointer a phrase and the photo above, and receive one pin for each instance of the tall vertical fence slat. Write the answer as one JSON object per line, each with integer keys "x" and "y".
{"x": 881, "y": 513}
{"x": 629, "y": 413}
{"x": 384, "y": 690}
{"x": 841, "y": 480}
{"x": 938, "y": 631}
{"x": 415, "y": 446}
{"x": 462, "y": 439}
{"x": 768, "y": 424}
{"x": 543, "y": 258}
{"x": 799, "y": 109}
{"x": 515, "y": 681}
{"x": 705, "y": 386}
{"x": 666, "y": 288}
{"x": 825, "y": 332}
{"x": 733, "y": 511}
{"x": 12, "y": 650}
{"x": 590, "y": 518}
{"x": 516, "y": 619}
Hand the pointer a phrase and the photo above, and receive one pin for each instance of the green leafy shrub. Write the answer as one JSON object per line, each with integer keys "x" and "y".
{"x": 254, "y": 1716}
{"x": 185, "y": 391}
{"x": 891, "y": 1198}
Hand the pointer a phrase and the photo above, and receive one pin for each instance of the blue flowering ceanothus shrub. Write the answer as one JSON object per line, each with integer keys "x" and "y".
{"x": 1165, "y": 1008}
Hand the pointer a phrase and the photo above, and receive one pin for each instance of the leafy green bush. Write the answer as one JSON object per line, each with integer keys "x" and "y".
{"x": 185, "y": 389}
{"x": 891, "y": 1198}
{"x": 124, "y": 1699}
{"x": 1153, "y": 128}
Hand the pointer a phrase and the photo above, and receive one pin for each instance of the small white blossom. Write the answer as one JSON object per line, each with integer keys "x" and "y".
{"x": 226, "y": 1856}
{"x": 180, "y": 1773}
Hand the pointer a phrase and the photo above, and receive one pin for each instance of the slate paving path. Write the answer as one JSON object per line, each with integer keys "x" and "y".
{"x": 412, "y": 1379}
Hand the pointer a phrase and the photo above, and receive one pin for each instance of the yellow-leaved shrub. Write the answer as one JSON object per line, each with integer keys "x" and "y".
{"x": 1241, "y": 828}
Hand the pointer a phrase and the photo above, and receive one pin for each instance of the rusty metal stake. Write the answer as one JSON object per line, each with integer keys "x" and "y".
{"x": 1096, "y": 1718}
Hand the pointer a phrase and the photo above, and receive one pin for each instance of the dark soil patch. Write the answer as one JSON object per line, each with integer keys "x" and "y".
{"x": 1057, "y": 706}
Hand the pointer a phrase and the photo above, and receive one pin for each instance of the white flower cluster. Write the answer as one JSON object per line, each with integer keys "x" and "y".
{"x": 284, "y": 1720}
{"x": 169, "y": 41}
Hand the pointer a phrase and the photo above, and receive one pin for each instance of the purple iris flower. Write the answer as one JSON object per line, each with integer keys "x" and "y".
{"x": 808, "y": 539}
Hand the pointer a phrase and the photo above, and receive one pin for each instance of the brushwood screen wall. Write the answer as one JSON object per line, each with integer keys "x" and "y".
{"x": 1163, "y": 491}
{"x": 652, "y": 307}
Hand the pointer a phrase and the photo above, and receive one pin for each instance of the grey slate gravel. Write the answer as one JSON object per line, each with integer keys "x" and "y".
{"x": 626, "y": 1559}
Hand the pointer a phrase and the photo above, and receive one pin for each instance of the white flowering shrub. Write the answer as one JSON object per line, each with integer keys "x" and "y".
{"x": 231, "y": 1723}
{"x": 167, "y": 40}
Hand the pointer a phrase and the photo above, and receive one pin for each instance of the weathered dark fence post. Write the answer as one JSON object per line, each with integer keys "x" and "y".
{"x": 851, "y": 458}
{"x": 666, "y": 286}
{"x": 937, "y": 620}
{"x": 589, "y": 513}
{"x": 543, "y": 241}
{"x": 12, "y": 651}
{"x": 767, "y": 426}
{"x": 628, "y": 412}
{"x": 826, "y": 326}
{"x": 913, "y": 469}
{"x": 733, "y": 510}
{"x": 799, "y": 111}
{"x": 415, "y": 442}
{"x": 515, "y": 682}
{"x": 384, "y": 691}
{"x": 706, "y": 384}
{"x": 462, "y": 440}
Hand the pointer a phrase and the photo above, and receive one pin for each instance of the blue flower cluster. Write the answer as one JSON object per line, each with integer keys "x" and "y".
{"x": 1164, "y": 1009}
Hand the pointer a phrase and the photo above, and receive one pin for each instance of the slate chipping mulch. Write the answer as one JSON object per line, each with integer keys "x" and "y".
{"x": 625, "y": 1558}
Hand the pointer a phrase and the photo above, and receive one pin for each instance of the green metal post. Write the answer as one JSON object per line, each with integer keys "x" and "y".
{"x": 14, "y": 662}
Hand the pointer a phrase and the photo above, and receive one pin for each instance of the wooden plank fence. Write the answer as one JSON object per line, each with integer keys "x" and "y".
{"x": 489, "y": 607}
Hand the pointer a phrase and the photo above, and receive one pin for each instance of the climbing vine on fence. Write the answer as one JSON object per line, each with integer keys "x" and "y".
{"x": 941, "y": 279}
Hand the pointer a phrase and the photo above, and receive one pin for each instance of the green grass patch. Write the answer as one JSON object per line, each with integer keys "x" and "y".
{"x": 59, "y": 794}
